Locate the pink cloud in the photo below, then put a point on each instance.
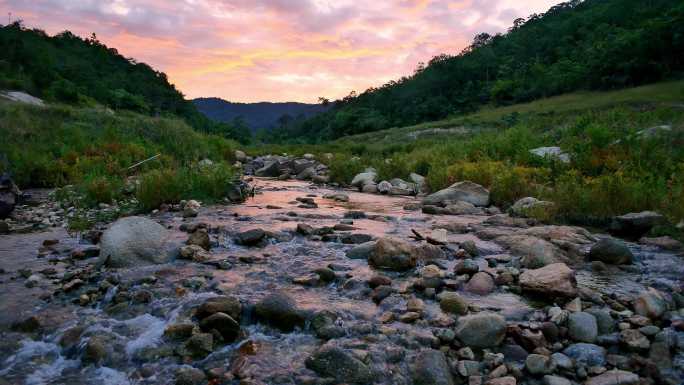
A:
(278, 50)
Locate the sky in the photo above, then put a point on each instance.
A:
(277, 50)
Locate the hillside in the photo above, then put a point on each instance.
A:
(66, 68)
(257, 116)
(578, 45)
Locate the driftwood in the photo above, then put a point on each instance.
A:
(141, 162)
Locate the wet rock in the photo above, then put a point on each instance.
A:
(530, 207)
(459, 208)
(364, 178)
(193, 252)
(270, 169)
(198, 345)
(650, 303)
(222, 304)
(633, 340)
(665, 243)
(355, 239)
(179, 331)
(190, 208)
(251, 237)
(392, 254)
(335, 362)
(188, 375)
(379, 280)
(430, 367)
(614, 377)
(453, 303)
(586, 354)
(562, 361)
(325, 327)
(482, 330)
(380, 293)
(462, 191)
(339, 197)
(134, 241)
(27, 325)
(223, 323)
(611, 251)
(535, 252)
(200, 238)
(556, 279)
(636, 224)
(582, 327)
(481, 283)
(507, 380)
(466, 266)
(556, 380)
(538, 364)
(280, 311)
(325, 274)
(95, 350)
(362, 251)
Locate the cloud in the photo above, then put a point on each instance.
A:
(252, 50)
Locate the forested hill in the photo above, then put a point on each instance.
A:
(257, 116)
(66, 68)
(592, 44)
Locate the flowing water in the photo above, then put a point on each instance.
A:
(137, 353)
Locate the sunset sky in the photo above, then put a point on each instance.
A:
(277, 50)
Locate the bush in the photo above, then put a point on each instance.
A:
(101, 189)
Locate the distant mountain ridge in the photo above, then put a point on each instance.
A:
(255, 115)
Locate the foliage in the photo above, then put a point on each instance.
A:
(576, 45)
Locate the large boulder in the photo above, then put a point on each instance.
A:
(224, 324)
(333, 361)
(482, 330)
(430, 367)
(582, 327)
(134, 241)
(364, 178)
(586, 354)
(9, 196)
(393, 254)
(535, 252)
(636, 224)
(556, 280)
(611, 251)
(481, 283)
(650, 303)
(530, 207)
(465, 191)
(280, 311)
(221, 304)
(270, 169)
(552, 153)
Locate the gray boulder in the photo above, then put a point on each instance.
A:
(462, 191)
(135, 241)
(364, 178)
(556, 280)
(430, 367)
(393, 254)
(586, 354)
(582, 327)
(333, 361)
(614, 377)
(535, 252)
(270, 169)
(529, 206)
(280, 311)
(636, 224)
(482, 330)
(551, 152)
(384, 187)
(611, 251)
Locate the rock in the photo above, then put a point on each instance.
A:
(419, 181)
(530, 208)
(370, 188)
(466, 266)
(614, 377)
(586, 354)
(552, 153)
(381, 292)
(179, 331)
(355, 239)
(364, 178)
(194, 253)
(482, 330)
(271, 169)
(191, 209)
(604, 320)
(200, 238)
(222, 304)
(188, 375)
(27, 325)
(507, 380)
(555, 280)
(455, 208)
(198, 345)
(430, 367)
(481, 283)
(451, 302)
(636, 224)
(223, 323)
(650, 303)
(611, 251)
(582, 327)
(379, 280)
(240, 156)
(325, 274)
(324, 326)
(362, 251)
(438, 237)
(556, 380)
(280, 311)
(339, 197)
(384, 187)
(251, 237)
(535, 252)
(538, 364)
(666, 243)
(133, 242)
(392, 254)
(462, 191)
(562, 361)
(95, 350)
(634, 340)
(320, 179)
(333, 361)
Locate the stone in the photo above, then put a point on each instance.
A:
(530, 207)
(179, 331)
(634, 340)
(650, 303)
(95, 350)
(604, 320)
(556, 380)
(582, 327)
(251, 237)
(223, 323)
(134, 241)
(188, 375)
(586, 354)
(507, 380)
(482, 330)
(364, 178)
(280, 311)
(384, 187)
(198, 345)
(466, 266)
(665, 243)
(453, 303)
(538, 364)
(562, 361)
(200, 238)
(362, 251)
(222, 304)
(611, 251)
(333, 361)
(271, 169)
(430, 367)
(462, 191)
(552, 152)
(535, 252)
(636, 224)
(27, 325)
(392, 254)
(614, 377)
(481, 283)
(324, 325)
(556, 280)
